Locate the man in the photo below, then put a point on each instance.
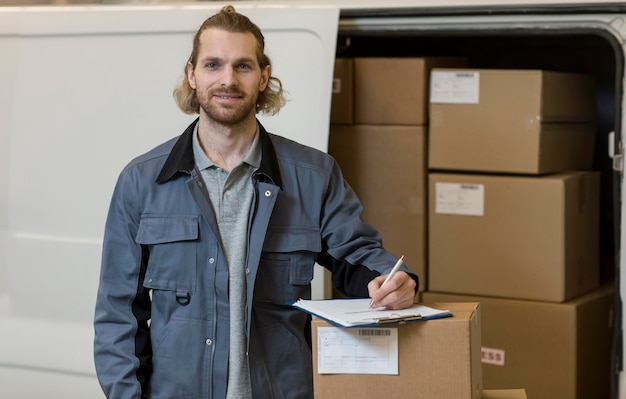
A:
(210, 235)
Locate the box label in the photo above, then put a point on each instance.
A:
(454, 87)
(492, 356)
(460, 199)
(336, 85)
(357, 350)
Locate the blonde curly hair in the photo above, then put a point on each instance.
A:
(270, 100)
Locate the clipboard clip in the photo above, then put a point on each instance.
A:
(398, 319)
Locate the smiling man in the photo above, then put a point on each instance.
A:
(210, 235)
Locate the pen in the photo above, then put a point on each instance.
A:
(393, 271)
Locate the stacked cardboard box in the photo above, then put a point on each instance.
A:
(511, 121)
(378, 132)
(553, 350)
(527, 237)
(394, 203)
(342, 101)
(514, 224)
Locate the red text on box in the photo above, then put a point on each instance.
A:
(492, 356)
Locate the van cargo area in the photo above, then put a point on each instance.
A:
(506, 39)
(554, 47)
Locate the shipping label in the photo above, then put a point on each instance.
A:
(460, 199)
(357, 350)
(459, 87)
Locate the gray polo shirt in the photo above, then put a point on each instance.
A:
(231, 197)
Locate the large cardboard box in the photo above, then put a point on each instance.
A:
(395, 90)
(526, 237)
(553, 350)
(386, 167)
(342, 99)
(437, 359)
(504, 394)
(511, 121)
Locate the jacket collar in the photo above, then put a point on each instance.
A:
(181, 160)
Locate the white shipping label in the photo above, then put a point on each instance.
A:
(460, 199)
(357, 350)
(336, 86)
(492, 356)
(454, 87)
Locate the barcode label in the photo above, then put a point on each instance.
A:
(374, 332)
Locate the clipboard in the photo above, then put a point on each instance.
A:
(357, 313)
(402, 319)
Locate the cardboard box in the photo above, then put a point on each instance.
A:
(386, 167)
(511, 121)
(342, 99)
(504, 394)
(439, 359)
(553, 350)
(395, 90)
(514, 236)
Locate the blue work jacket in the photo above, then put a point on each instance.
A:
(162, 312)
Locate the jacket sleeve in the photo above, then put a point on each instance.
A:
(122, 351)
(353, 250)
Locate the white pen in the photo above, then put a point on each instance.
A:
(393, 271)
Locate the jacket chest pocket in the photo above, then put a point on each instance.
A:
(286, 266)
(171, 241)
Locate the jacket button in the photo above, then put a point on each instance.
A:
(247, 270)
(211, 260)
(268, 193)
(208, 341)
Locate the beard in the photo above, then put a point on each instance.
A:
(227, 114)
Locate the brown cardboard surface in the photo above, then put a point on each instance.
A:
(537, 238)
(526, 121)
(552, 350)
(386, 167)
(395, 90)
(504, 394)
(440, 359)
(342, 99)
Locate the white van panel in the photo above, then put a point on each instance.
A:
(83, 90)
(16, 383)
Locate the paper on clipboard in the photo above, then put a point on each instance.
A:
(356, 312)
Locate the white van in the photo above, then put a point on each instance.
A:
(83, 89)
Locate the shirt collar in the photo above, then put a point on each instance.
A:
(262, 155)
(252, 158)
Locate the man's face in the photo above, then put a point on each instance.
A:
(227, 77)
